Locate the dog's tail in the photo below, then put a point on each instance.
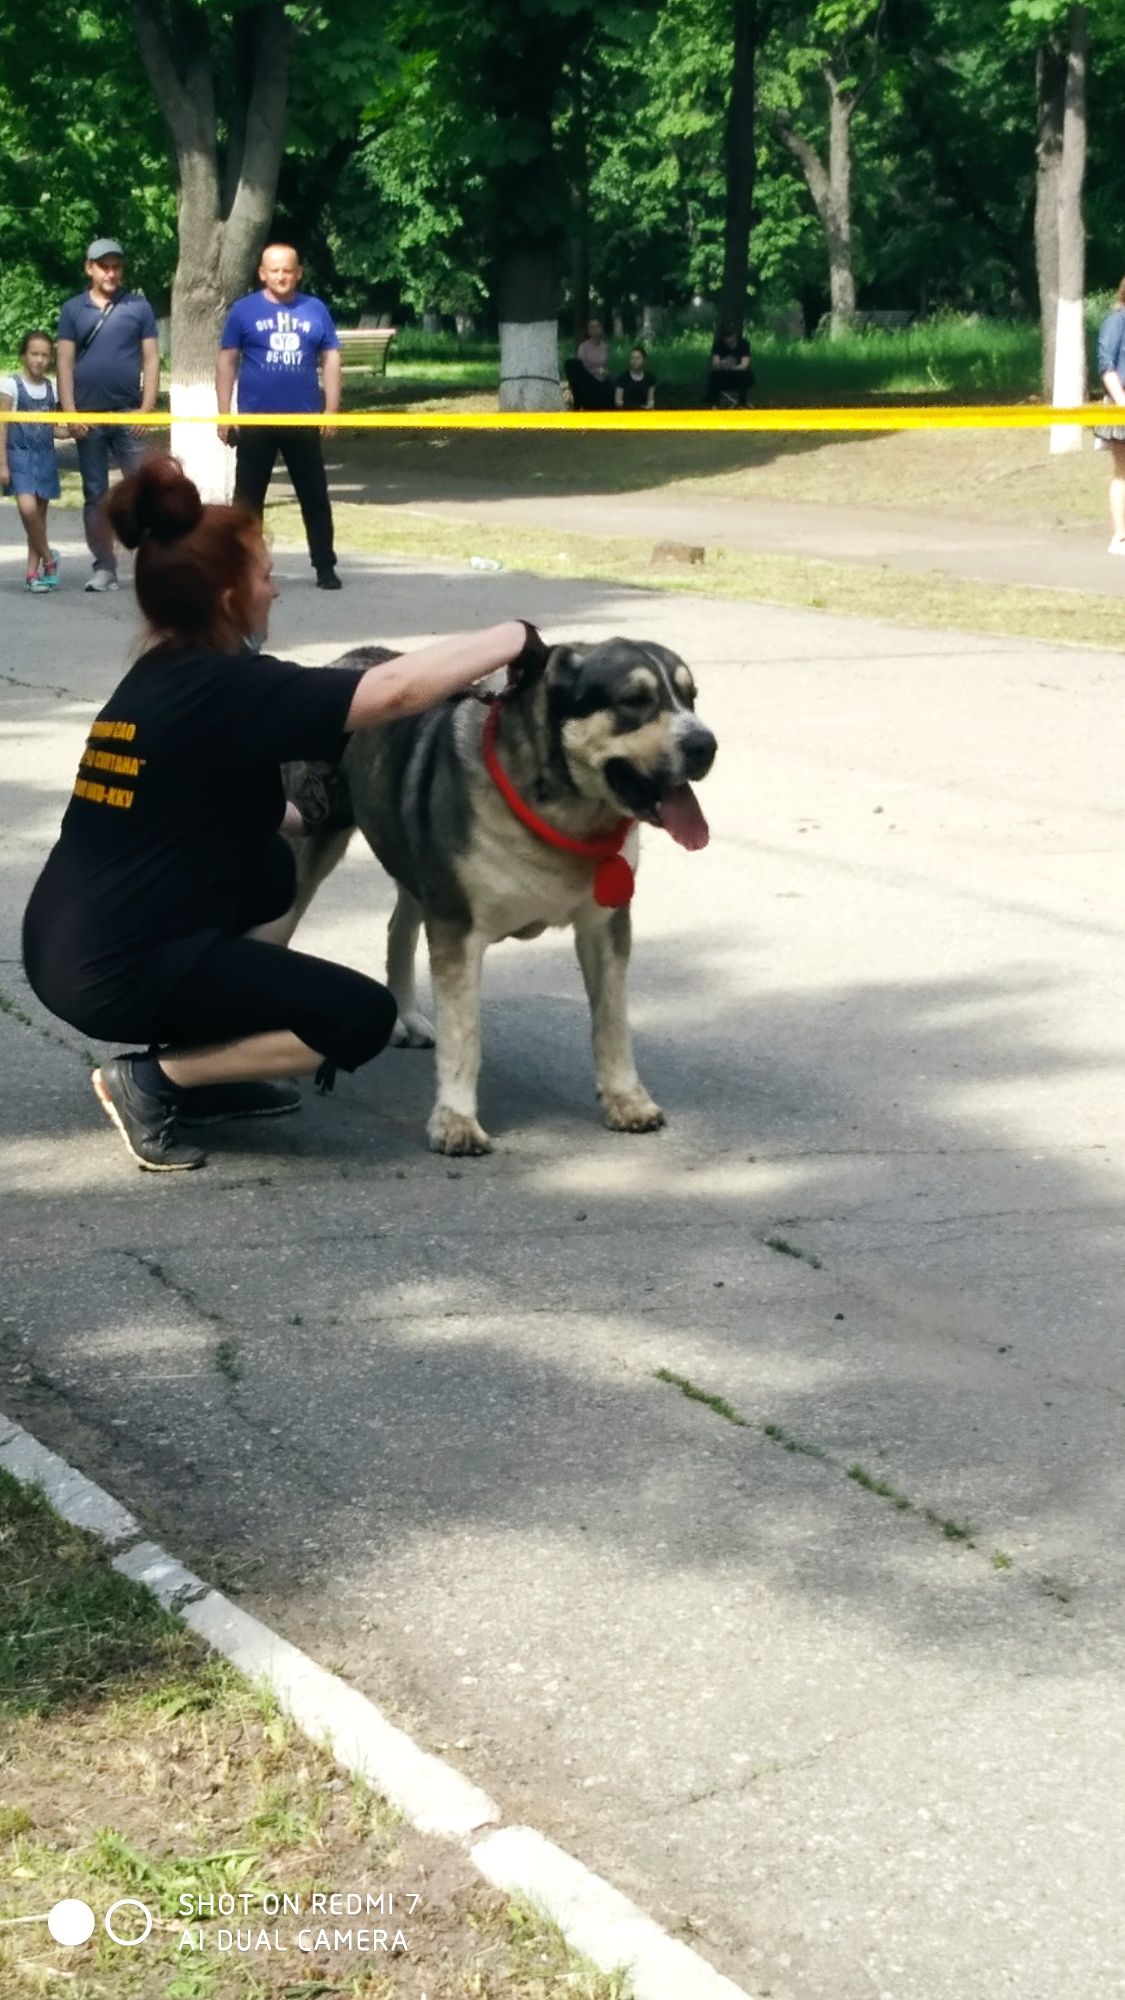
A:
(318, 788)
(322, 796)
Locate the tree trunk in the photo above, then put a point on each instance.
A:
(1050, 85)
(1070, 339)
(838, 220)
(224, 207)
(579, 213)
(831, 190)
(740, 160)
(527, 300)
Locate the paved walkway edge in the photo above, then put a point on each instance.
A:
(594, 1918)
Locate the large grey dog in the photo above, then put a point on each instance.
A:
(588, 736)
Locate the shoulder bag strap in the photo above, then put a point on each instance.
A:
(85, 344)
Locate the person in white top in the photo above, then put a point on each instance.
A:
(591, 384)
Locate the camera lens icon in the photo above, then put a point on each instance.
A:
(72, 1922)
(129, 1933)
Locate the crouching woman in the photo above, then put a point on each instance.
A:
(160, 913)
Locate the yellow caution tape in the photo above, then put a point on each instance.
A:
(891, 417)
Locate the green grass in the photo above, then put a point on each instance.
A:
(228, 1360)
(717, 1403)
(947, 357)
(135, 1763)
(880, 1489)
(69, 1625)
(787, 1249)
(858, 590)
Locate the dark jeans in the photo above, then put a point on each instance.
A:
(102, 443)
(587, 393)
(728, 388)
(304, 462)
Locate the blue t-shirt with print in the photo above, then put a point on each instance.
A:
(107, 369)
(280, 346)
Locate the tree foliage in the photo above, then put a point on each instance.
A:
(425, 141)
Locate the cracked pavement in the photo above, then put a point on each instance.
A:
(410, 1408)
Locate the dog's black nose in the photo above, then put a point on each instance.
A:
(697, 748)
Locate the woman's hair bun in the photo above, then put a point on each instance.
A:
(158, 500)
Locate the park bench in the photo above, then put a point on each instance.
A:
(365, 347)
(885, 322)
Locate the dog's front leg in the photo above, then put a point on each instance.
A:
(455, 968)
(411, 1030)
(603, 939)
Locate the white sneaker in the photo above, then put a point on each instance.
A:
(1117, 546)
(102, 579)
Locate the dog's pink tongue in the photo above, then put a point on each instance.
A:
(681, 817)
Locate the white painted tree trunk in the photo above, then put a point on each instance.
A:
(1070, 336)
(204, 458)
(1070, 371)
(529, 365)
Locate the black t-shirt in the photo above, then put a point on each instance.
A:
(634, 391)
(723, 352)
(174, 816)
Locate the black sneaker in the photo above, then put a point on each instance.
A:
(210, 1103)
(327, 579)
(146, 1123)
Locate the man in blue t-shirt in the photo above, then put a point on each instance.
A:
(108, 359)
(272, 342)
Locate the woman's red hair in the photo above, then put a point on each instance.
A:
(190, 557)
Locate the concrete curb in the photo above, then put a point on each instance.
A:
(593, 1917)
(597, 1919)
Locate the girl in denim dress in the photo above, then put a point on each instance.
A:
(28, 467)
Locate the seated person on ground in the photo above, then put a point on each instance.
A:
(636, 389)
(730, 377)
(591, 385)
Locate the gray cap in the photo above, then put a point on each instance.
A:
(103, 246)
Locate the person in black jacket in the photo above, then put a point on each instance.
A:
(730, 376)
(161, 913)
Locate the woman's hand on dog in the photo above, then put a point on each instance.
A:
(415, 681)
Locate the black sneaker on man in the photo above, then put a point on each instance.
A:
(327, 579)
(147, 1123)
(211, 1103)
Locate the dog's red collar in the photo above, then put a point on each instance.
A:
(614, 880)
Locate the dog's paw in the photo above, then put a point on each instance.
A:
(631, 1110)
(456, 1133)
(412, 1031)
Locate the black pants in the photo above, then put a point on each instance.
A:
(243, 986)
(304, 462)
(587, 393)
(233, 987)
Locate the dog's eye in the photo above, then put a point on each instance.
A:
(686, 690)
(637, 702)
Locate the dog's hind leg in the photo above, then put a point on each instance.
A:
(455, 968)
(603, 939)
(411, 1030)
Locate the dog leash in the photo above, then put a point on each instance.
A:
(614, 879)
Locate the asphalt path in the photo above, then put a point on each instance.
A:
(849, 1742)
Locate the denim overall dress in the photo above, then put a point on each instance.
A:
(31, 447)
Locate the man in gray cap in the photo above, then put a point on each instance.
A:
(108, 356)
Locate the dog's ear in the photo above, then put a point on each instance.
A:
(564, 664)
